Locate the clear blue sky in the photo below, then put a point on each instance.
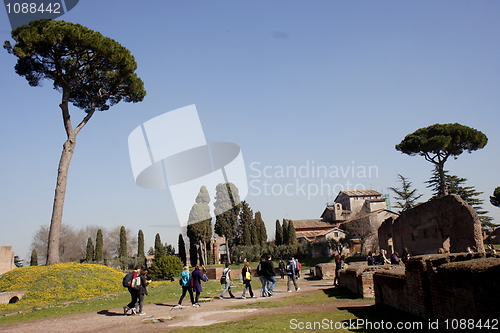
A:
(293, 83)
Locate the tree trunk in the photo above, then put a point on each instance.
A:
(443, 188)
(62, 175)
(60, 193)
(228, 250)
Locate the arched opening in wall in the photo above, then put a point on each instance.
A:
(13, 300)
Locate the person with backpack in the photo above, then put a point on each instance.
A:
(130, 281)
(187, 286)
(291, 271)
(226, 273)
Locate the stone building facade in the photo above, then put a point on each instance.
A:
(360, 213)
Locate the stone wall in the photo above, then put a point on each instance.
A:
(444, 287)
(325, 271)
(358, 277)
(448, 222)
(6, 259)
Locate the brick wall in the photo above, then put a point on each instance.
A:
(358, 278)
(444, 287)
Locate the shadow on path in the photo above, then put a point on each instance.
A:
(110, 313)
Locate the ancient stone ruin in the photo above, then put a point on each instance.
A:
(444, 287)
(447, 224)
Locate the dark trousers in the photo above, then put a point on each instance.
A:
(184, 290)
(141, 301)
(197, 297)
(248, 287)
(134, 294)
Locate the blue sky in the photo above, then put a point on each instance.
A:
(320, 83)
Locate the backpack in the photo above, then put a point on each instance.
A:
(127, 280)
(290, 268)
(136, 283)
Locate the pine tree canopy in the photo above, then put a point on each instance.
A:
(439, 141)
(98, 71)
(495, 199)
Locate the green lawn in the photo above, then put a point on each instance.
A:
(350, 318)
(164, 292)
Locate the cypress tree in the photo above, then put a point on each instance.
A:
(158, 247)
(99, 247)
(193, 253)
(34, 258)
(278, 234)
(253, 233)
(286, 238)
(140, 245)
(122, 253)
(292, 236)
(90, 251)
(261, 229)
(245, 223)
(199, 228)
(182, 249)
(226, 208)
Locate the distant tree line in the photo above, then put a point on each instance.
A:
(121, 249)
(244, 232)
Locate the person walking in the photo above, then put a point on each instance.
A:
(291, 273)
(270, 274)
(338, 267)
(281, 267)
(197, 277)
(227, 273)
(299, 268)
(185, 282)
(134, 292)
(143, 290)
(261, 272)
(246, 276)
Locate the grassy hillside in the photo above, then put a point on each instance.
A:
(54, 284)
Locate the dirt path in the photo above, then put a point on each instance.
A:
(164, 317)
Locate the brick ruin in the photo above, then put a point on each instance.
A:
(447, 223)
(358, 277)
(449, 286)
(444, 287)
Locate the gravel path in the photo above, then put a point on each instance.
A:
(163, 317)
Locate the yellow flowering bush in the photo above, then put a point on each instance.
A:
(62, 282)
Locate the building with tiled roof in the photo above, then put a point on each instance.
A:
(318, 233)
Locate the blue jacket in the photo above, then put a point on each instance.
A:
(292, 268)
(185, 279)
